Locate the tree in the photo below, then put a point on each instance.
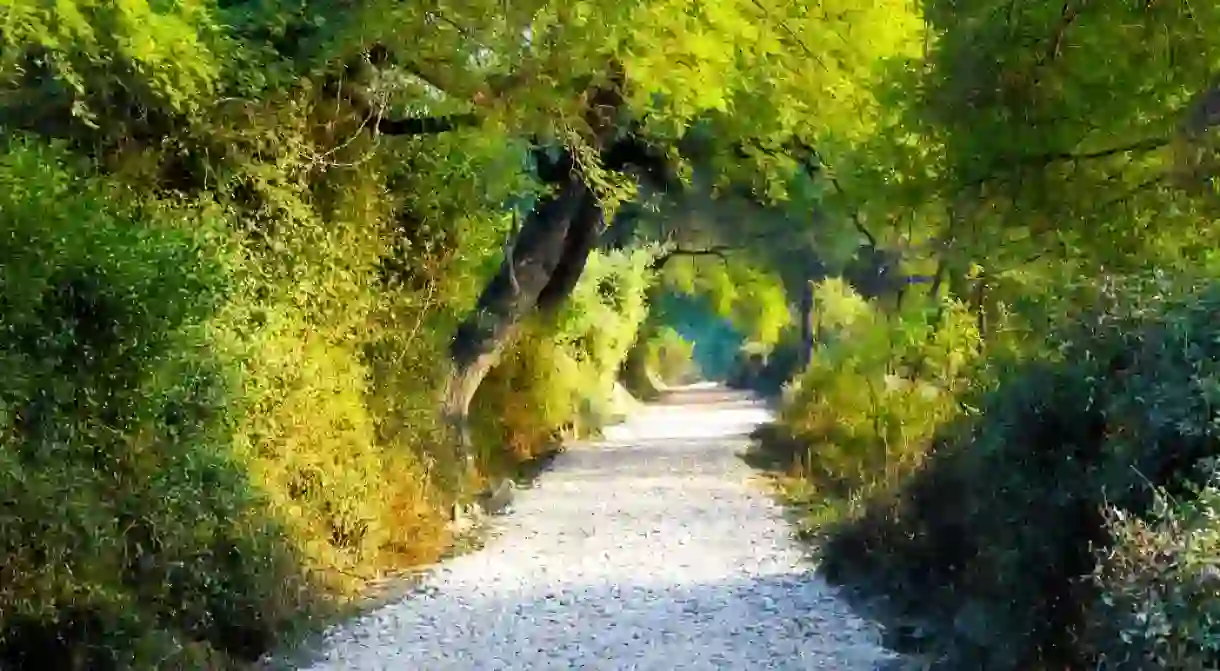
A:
(614, 89)
(609, 94)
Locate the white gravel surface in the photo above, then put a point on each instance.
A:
(648, 550)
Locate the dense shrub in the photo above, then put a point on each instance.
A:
(636, 377)
(671, 356)
(998, 534)
(250, 409)
(1157, 605)
(130, 534)
(861, 416)
(768, 373)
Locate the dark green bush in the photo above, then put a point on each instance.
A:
(129, 536)
(998, 535)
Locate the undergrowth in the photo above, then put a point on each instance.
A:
(1052, 512)
(220, 420)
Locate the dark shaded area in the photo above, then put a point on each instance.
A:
(992, 544)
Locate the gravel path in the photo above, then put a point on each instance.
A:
(648, 550)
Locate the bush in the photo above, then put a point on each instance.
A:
(129, 533)
(671, 357)
(860, 418)
(998, 533)
(558, 378)
(1157, 605)
(247, 423)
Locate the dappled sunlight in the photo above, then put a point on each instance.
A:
(295, 294)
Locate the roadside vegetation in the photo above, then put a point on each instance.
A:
(1010, 450)
(284, 280)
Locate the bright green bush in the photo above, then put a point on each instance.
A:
(129, 534)
(860, 418)
(281, 373)
(671, 356)
(996, 537)
(307, 323)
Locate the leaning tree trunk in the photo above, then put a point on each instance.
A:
(546, 260)
(539, 271)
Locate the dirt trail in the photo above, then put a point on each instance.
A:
(647, 550)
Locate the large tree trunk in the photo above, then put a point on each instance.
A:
(545, 261)
(540, 271)
(582, 237)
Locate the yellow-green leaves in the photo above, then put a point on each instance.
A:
(763, 68)
(770, 69)
(93, 46)
(750, 297)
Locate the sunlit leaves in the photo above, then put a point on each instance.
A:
(91, 46)
(750, 297)
(1066, 113)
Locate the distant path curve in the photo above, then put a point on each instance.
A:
(648, 550)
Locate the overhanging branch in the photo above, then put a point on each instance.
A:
(427, 125)
(1050, 158)
(814, 164)
(1147, 144)
(719, 251)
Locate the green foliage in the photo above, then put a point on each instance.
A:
(1124, 409)
(132, 535)
(751, 298)
(329, 350)
(1157, 603)
(103, 52)
(559, 377)
(860, 418)
(276, 330)
(1005, 166)
(713, 338)
(671, 356)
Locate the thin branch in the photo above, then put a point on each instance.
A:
(813, 164)
(1122, 198)
(1147, 144)
(855, 215)
(811, 167)
(1049, 158)
(719, 251)
(1067, 17)
(427, 125)
(792, 34)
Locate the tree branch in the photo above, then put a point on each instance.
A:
(1147, 144)
(814, 164)
(1067, 17)
(718, 251)
(427, 125)
(1044, 160)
